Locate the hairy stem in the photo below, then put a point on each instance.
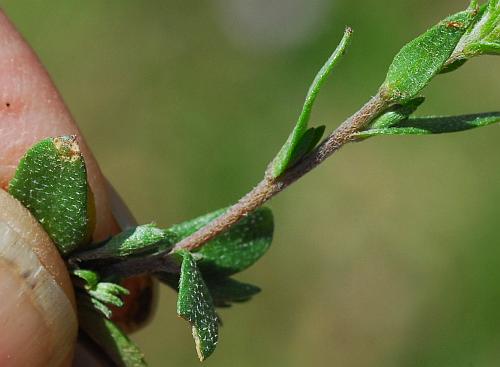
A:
(270, 186)
(260, 194)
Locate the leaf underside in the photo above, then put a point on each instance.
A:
(195, 305)
(225, 291)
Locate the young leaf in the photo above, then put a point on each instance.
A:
(195, 305)
(424, 57)
(236, 249)
(481, 39)
(308, 142)
(225, 291)
(140, 240)
(90, 277)
(109, 293)
(397, 114)
(435, 125)
(51, 181)
(120, 349)
(289, 152)
(99, 294)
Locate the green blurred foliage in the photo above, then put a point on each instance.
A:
(388, 254)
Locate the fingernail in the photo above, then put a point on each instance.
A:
(37, 319)
(121, 212)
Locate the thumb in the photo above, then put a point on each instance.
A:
(37, 318)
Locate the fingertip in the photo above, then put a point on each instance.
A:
(31, 109)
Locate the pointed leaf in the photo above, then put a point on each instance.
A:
(236, 249)
(435, 125)
(51, 181)
(288, 153)
(120, 349)
(195, 305)
(424, 57)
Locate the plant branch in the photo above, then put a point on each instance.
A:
(265, 190)
(270, 186)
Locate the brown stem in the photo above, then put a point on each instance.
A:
(270, 186)
(264, 191)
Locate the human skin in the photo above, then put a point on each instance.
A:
(31, 109)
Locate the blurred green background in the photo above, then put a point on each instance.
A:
(387, 255)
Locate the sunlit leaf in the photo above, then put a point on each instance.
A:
(140, 240)
(289, 152)
(51, 181)
(435, 125)
(424, 57)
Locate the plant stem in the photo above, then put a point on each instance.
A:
(270, 186)
(260, 194)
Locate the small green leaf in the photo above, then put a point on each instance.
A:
(424, 57)
(397, 113)
(435, 125)
(120, 349)
(481, 39)
(307, 143)
(236, 249)
(90, 277)
(109, 293)
(225, 291)
(289, 153)
(51, 181)
(140, 240)
(99, 294)
(195, 305)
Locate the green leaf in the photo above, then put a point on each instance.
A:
(424, 57)
(225, 291)
(289, 153)
(195, 305)
(99, 294)
(435, 125)
(51, 181)
(483, 38)
(236, 249)
(109, 293)
(397, 114)
(90, 277)
(140, 240)
(308, 142)
(120, 349)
